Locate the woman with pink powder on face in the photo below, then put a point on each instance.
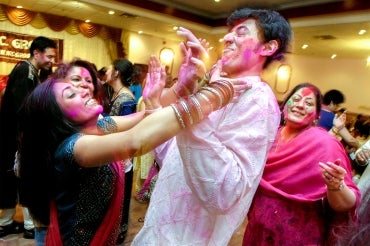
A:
(71, 157)
(306, 180)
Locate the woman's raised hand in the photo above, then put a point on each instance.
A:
(191, 70)
(199, 47)
(339, 120)
(154, 84)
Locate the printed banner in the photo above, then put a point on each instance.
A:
(15, 47)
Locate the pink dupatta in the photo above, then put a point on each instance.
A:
(292, 169)
(109, 228)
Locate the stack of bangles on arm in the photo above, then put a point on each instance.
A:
(192, 109)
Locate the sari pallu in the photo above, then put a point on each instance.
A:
(291, 186)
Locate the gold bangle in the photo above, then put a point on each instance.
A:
(228, 86)
(215, 92)
(205, 98)
(198, 107)
(187, 111)
(178, 115)
(340, 187)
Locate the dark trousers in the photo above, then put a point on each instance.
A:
(126, 202)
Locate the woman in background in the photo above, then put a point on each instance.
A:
(306, 191)
(122, 102)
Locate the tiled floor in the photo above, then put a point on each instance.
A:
(137, 213)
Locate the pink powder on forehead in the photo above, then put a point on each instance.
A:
(306, 91)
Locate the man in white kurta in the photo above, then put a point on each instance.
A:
(210, 172)
(203, 199)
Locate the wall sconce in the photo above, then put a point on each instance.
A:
(282, 78)
(166, 57)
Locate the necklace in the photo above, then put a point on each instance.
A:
(284, 138)
(116, 94)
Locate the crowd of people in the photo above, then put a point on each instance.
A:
(225, 149)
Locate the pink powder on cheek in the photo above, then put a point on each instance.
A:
(100, 110)
(285, 110)
(72, 113)
(311, 115)
(247, 55)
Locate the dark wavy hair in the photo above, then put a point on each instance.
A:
(99, 92)
(45, 128)
(64, 68)
(126, 70)
(272, 26)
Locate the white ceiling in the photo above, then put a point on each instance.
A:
(326, 34)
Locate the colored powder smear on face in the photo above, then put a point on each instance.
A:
(306, 91)
(72, 113)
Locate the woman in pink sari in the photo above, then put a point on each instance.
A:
(306, 193)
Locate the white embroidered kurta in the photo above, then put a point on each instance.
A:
(203, 196)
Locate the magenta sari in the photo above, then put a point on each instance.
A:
(289, 205)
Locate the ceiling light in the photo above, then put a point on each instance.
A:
(111, 12)
(221, 40)
(362, 32)
(19, 7)
(282, 78)
(166, 56)
(87, 21)
(304, 46)
(175, 28)
(140, 32)
(217, 1)
(333, 56)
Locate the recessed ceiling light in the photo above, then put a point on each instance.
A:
(111, 12)
(87, 21)
(362, 32)
(19, 7)
(217, 1)
(140, 32)
(221, 40)
(304, 46)
(333, 56)
(175, 28)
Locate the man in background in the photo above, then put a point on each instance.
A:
(22, 80)
(331, 102)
